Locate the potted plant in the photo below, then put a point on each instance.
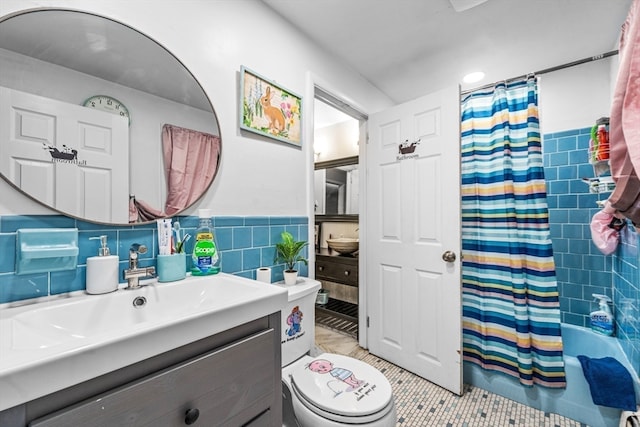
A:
(288, 252)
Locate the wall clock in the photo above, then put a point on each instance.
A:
(108, 104)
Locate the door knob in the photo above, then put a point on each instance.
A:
(449, 256)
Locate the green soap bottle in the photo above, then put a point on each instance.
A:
(206, 257)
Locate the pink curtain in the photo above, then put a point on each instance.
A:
(190, 161)
(625, 123)
(140, 211)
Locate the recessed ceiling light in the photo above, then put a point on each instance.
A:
(476, 76)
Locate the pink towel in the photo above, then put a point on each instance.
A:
(624, 123)
(605, 238)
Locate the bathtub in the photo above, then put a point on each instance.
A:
(573, 402)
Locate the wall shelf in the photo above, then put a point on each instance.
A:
(600, 185)
(40, 250)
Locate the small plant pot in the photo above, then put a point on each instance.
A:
(290, 277)
(322, 298)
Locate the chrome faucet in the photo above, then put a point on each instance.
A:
(133, 274)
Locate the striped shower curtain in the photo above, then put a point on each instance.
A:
(511, 316)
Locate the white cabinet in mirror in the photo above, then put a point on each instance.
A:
(86, 163)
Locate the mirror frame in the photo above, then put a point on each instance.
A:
(11, 15)
(353, 160)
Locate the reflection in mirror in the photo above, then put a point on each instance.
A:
(122, 160)
(336, 187)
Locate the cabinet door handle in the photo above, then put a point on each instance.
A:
(346, 272)
(320, 268)
(191, 416)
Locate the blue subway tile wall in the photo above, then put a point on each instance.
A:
(581, 268)
(245, 243)
(626, 295)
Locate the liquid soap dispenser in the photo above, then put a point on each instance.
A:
(602, 320)
(102, 270)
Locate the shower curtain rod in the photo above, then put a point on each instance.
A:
(546, 70)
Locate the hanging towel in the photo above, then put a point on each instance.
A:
(610, 382)
(624, 136)
(604, 237)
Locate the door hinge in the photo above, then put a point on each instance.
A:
(367, 321)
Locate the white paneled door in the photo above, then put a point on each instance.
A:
(72, 158)
(413, 237)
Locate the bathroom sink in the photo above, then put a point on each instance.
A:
(84, 318)
(344, 245)
(70, 339)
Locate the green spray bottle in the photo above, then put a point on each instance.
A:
(206, 257)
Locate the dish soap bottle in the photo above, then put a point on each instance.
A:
(102, 270)
(602, 319)
(206, 258)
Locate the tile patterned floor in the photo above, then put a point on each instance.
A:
(420, 403)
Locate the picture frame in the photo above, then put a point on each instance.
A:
(268, 109)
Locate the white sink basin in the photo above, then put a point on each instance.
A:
(50, 345)
(344, 245)
(47, 325)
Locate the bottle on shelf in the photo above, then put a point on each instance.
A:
(603, 143)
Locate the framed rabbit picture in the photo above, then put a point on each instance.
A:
(268, 109)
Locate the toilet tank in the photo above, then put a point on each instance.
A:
(298, 319)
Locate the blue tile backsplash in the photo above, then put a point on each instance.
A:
(581, 269)
(626, 279)
(246, 243)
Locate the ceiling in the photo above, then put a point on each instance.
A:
(408, 48)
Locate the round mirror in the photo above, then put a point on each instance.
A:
(99, 121)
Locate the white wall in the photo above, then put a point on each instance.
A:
(337, 141)
(576, 97)
(319, 178)
(213, 39)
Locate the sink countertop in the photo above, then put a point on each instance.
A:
(331, 252)
(47, 346)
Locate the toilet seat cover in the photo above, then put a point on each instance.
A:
(342, 385)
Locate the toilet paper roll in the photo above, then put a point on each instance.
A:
(263, 274)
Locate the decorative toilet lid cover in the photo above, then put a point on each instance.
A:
(342, 385)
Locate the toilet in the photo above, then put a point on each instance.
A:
(328, 389)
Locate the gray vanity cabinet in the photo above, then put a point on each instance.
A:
(236, 383)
